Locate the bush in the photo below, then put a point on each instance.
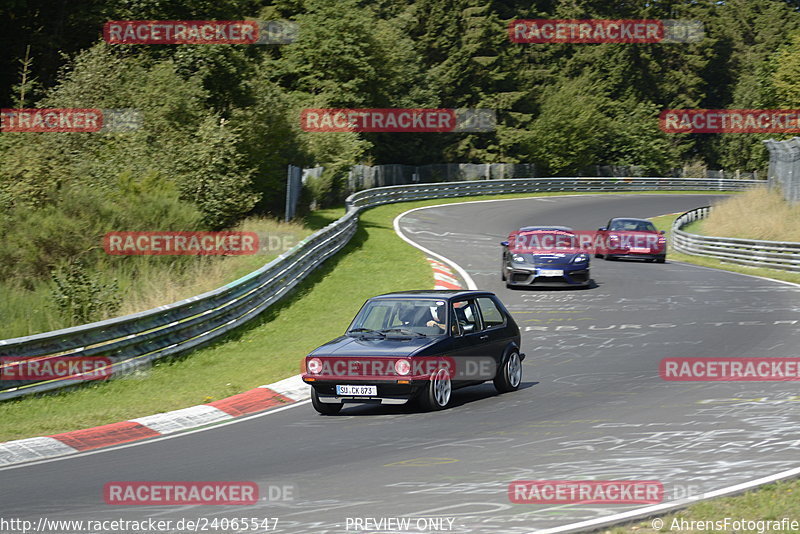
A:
(72, 225)
(82, 296)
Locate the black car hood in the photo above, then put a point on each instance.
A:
(374, 346)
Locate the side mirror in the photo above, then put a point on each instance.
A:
(663, 232)
(504, 243)
(602, 229)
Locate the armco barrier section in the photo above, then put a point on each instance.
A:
(756, 253)
(134, 341)
(401, 193)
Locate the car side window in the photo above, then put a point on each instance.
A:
(492, 316)
(466, 317)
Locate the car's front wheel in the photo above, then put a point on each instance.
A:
(661, 259)
(436, 395)
(509, 376)
(325, 408)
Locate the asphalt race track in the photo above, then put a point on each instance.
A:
(592, 405)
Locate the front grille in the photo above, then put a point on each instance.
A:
(519, 277)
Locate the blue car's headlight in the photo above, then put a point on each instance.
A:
(580, 258)
(518, 259)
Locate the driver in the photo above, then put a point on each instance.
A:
(438, 314)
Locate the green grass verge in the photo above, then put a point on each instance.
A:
(270, 348)
(772, 502)
(664, 222)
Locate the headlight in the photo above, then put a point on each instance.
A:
(314, 366)
(403, 367)
(580, 258)
(518, 259)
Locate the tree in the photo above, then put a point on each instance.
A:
(216, 177)
(569, 132)
(786, 75)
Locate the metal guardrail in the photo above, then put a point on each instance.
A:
(134, 341)
(401, 193)
(756, 253)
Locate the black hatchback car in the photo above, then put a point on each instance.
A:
(417, 345)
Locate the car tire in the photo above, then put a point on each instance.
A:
(503, 273)
(509, 376)
(661, 259)
(608, 257)
(598, 255)
(325, 408)
(437, 394)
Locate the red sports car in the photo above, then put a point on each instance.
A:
(625, 237)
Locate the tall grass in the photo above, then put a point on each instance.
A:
(145, 282)
(150, 288)
(756, 214)
(664, 222)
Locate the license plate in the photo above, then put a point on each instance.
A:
(357, 390)
(550, 272)
(644, 250)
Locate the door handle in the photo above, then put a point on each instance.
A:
(484, 337)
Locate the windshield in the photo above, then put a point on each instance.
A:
(389, 317)
(539, 241)
(632, 225)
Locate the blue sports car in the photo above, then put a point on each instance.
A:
(544, 256)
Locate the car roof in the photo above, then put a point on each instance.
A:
(448, 294)
(532, 228)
